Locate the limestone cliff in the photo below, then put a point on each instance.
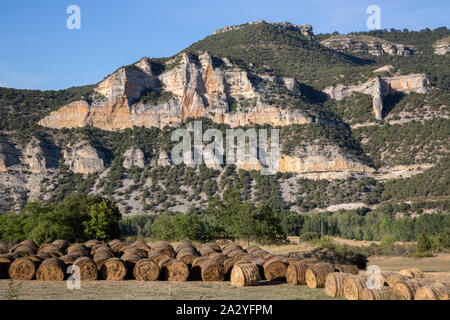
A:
(134, 157)
(380, 87)
(199, 86)
(442, 46)
(360, 44)
(83, 159)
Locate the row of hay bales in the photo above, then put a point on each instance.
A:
(408, 284)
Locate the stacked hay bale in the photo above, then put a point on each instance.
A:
(51, 269)
(275, 269)
(113, 269)
(412, 273)
(244, 275)
(383, 293)
(316, 274)
(146, 270)
(23, 269)
(88, 268)
(334, 283)
(296, 271)
(172, 269)
(434, 291)
(206, 269)
(187, 253)
(407, 289)
(354, 286)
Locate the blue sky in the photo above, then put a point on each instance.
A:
(38, 51)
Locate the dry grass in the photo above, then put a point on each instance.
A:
(162, 290)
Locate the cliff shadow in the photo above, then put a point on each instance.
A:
(390, 101)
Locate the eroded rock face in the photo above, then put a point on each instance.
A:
(9, 156)
(133, 157)
(359, 44)
(201, 86)
(314, 158)
(164, 159)
(380, 87)
(34, 157)
(83, 159)
(442, 46)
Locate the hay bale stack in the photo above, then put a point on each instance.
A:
(112, 243)
(51, 269)
(44, 256)
(26, 243)
(132, 258)
(146, 270)
(393, 279)
(252, 249)
(173, 270)
(354, 286)
(238, 253)
(260, 253)
(113, 269)
(186, 246)
(434, 291)
(24, 250)
(228, 266)
(334, 283)
(77, 247)
(158, 255)
(101, 248)
(275, 269)
(384, 275)
(346, 268)
(412, 273)
(315, 275)
(205, 251)
(88, 268)
(244, 275)
(130, 250)
(406, 289)
(187, 256)
(208, 270)
(212, 245)
(116, 247)
(384, 293)
(62, 244)
(23, 269)
(36, 258)
(141, 245)
(101, 256)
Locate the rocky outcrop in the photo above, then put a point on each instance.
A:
(314, 158)
(133, 158)
(200, 85)
(442, 46)
(380, 87)
(34, 157)
(9, 156)
(164, 159)
(305, 29)
(362, 44)
(83, 159)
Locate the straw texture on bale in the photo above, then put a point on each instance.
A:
(113, 242)
(346, 268)
(244, 275)
(146, 270)
(435, 291)
(259, 253)
(238, 253)
(354, 286)
(231, 247)
(168, 251)
(208, 270)
(157, 256)
(252, 249)
(116, 247)
(62, 244)
(334, 284)
(113, 269)
(187, 257)
(406, 289)
(77, 247)
(205, 251)
(275, 269)
(36, 258)
(295, 273)
(141, 245)
(51, 269)
(173, 270)
(134, 250)
(393, 278)
(24, 250)
(384, 293)
(91, 243)
(100, 257)
(49, 247)
(315, 275)
(186, 247)
(212, 245)
(23, 269)
(218, 257)
(131, 257)
(228, 266)
(413, 273)
(88, 268)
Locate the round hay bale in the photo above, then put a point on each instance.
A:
(186, 246)
(406, 289)
(209, 270)
(101, 248)
(44, 255)
(354, 286)
(346, 268)
(244, 275)
(88, 268)
(384, 275)
(275, 269)
(133, 251)
(24, 250)
(394, 278)
(146, 270)
(36, 258)
(252, 249)
(232, 247)
(92, 243)
(228, 266)
(82, 252)
(62, 244)
(260, 253)
(247, 258)
(212, 245)
(168, 251)
(102, 256)
(205, 251)
(434, 291)
(157, 257)
(334, 284)
(412, 273)
(173, 270)
(49, 247)
(188, 259)
(141, 245)
(51, 269)
(23, 269)
(238, 253)
(315, 275)
(295, 273)
(218, 257)
(113, 269)
(69, 259)
(112, 243)
(133, 258)
(384, 293)
(118, 246)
